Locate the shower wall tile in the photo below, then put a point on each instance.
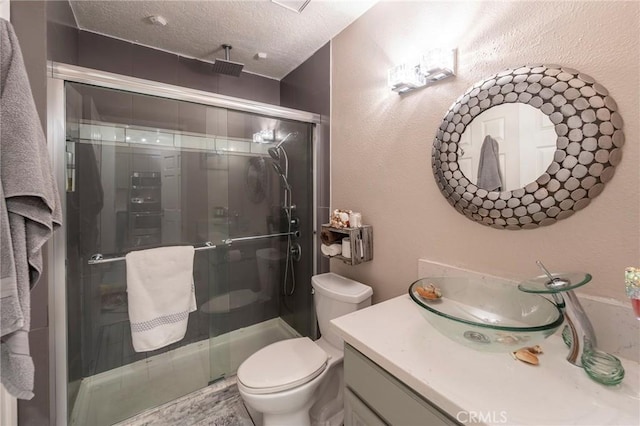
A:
(250, 86)
(62, 42)
(308, 86)
(192, 117)
(105, 53)
(153, 64)
(59, 11)
(150, 111)
(196, 75)
(106, 105)
(29, 23)
(62, 32)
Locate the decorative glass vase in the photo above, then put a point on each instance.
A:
(632, 285)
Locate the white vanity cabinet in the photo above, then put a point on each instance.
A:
(399, 370)
(374, 397)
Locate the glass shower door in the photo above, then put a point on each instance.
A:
(144, 172)
(136, 179)
(269, 217)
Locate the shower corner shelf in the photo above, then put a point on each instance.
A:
(361, 243)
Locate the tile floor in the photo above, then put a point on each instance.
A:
(219, 404)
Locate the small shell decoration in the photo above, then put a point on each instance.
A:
(528, 355)
(430, 292)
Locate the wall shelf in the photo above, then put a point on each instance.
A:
(361, 243)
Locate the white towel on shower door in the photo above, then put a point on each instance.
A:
(161, 295)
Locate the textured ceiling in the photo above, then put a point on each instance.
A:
(197, 29)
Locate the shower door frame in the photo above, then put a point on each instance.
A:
(57, 75)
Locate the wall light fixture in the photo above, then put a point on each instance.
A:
(264, 136)
(434, 65)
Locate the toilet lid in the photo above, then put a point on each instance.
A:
(282, 365)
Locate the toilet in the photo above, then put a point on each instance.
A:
(298, 382)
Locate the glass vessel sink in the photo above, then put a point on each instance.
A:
(487, 314)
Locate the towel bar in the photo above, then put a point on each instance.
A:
(98, 258)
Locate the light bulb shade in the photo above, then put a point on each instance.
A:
(264, 136)
(434, 65)
(437, 64)
(403, 78)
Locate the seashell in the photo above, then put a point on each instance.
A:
(508, 339)
(525, 356)
(430, 292)
(534, 349)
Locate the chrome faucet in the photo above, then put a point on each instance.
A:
(578, 334)
(561, 289)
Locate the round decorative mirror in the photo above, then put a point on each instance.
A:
(256, 180)
(527, 147)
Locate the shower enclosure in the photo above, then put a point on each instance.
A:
(143, 165)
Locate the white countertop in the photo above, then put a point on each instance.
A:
(492, 385)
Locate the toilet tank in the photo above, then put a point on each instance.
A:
(335, 296)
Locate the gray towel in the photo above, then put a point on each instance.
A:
(30, 206)
(489, 177)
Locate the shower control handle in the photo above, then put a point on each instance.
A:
(296, 252)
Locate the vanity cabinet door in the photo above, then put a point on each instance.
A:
(385, 397)
(356, 412)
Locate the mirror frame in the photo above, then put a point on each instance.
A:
(588, 147)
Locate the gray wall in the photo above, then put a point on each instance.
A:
(70, 45)
(29, 21)
(307, 88)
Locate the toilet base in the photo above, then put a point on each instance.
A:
(298, 418)
(337, 419)
(256, 416)
(324, 408)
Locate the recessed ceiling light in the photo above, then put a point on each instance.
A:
(294, 5)
(261, 55)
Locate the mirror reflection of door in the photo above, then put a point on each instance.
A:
(171, 197)
(538, 144)
(526, 139)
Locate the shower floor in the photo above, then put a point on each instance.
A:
(118, 394)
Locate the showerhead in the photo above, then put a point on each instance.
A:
(274, 153)
(280, 173)
(288, 135)
(226, 66)
(278, 169)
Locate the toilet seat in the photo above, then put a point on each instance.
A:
(282, 365)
